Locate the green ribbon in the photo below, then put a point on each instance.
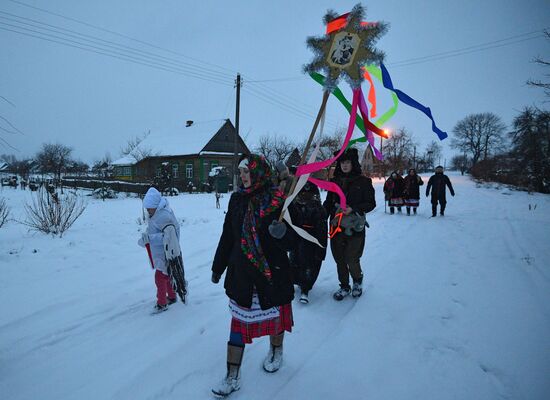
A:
(320, 79)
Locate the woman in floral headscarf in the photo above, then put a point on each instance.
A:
(253, 247)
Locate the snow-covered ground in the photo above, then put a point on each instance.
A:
(455, 308)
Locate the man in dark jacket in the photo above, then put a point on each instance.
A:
(437, 183)
(347, 246)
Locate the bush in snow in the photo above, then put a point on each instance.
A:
(4, 212)
(50, 213)
(104, 193)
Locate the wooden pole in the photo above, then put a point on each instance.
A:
(235, 147)
(326, 95)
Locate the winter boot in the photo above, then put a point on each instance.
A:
(434, 211)
(408, 211)
(232, 381)
(414, 210)
(274, 358)
(392, 210)
(304, 299)
(442, 211)
(159, 308)
(399, 210)
(170, 301)
(341, 293)
(357, 290)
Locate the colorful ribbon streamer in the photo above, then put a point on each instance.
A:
(316, 166)
(405, 98)
(360, 122)
(370, 137)
(340, 96)
(299, 185)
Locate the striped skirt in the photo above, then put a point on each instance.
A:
(252, 323)
(412, 202)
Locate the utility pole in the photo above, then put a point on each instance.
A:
(414, 158)
(235, 147)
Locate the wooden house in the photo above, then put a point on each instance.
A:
(191, 153)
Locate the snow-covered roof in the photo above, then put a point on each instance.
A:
(4, 166)
(126, 160)
(176, 142)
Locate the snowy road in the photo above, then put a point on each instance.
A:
(455, 308)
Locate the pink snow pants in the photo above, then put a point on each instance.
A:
(164, 288)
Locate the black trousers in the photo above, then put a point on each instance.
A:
(347, 252)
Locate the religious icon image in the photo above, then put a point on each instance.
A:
(343, 49)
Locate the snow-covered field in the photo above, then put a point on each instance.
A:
(455, 308)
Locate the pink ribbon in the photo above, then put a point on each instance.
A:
(316, 166)
(333, 187)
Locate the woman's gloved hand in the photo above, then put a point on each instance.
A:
(277, 229)
(215, 277)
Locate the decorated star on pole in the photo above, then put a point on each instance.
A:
(343, 52)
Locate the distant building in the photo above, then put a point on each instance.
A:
(192, 152)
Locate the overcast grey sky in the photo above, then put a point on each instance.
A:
(95, 103)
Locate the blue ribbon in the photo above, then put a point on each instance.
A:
(405, 98)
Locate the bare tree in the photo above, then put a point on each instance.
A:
(135, 149)
(328, 144)
(50, 213)
(22, 167)
(54, 158)
(274, 148)
(398, 150)
(531, 147)
(460, 162)
(544, 63)
(433, 152)
(479, 135)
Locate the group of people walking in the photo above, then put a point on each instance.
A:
(399, 191)
(263, 259)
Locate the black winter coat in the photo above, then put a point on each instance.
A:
(412, 187)
(312, 217)
(437, 183)
(242, 276)
(359, 195)
(393, 188)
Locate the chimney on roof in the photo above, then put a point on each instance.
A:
(188, 123)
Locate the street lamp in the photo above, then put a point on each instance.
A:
(387, 132)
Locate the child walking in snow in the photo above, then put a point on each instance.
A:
(161, 216)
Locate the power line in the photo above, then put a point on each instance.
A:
(120, 35)
(106, 52)
(109, 44)
(467, 50)
(103, 47)
(266, 98)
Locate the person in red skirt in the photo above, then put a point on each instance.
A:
(253, 252)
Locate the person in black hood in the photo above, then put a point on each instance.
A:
(437, 183)
(306, 257)
(347, 245)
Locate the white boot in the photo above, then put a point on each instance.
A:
(274, 358)
(229, 384)
(232, 381)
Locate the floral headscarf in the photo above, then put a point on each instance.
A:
(265, 199)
